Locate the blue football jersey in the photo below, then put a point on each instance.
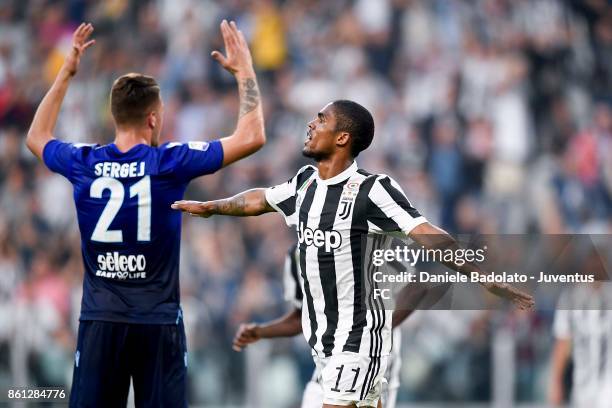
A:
(130, 237)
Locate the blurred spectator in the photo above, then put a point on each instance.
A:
(494, 115)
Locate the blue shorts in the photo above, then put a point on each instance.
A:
(108, 354)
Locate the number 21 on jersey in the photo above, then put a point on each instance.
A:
(140, 189)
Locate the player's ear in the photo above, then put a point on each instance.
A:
(152, 120)
(343, 138)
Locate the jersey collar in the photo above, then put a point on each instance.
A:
(352, 169)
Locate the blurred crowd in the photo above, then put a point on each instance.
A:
(495, 116)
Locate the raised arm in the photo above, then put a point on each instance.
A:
(287, 326)
(433, 237)
(249, 135)
(43, 124)
(248, 203)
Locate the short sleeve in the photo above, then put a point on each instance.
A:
(192, 159)
(389, 211)
(58, 157)
(283, 197)
(291, 279)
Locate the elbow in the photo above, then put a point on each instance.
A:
(256, 142)
(36, 141)
(259, 139)
(31, 141)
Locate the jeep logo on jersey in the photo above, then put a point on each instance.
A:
(114, 265)
(327, 239)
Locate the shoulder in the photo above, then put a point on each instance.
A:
(386, 181)
(306, 170)
(363, 179)
(197, 145)
(304, 174)
(75, 150)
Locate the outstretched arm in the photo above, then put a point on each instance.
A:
(249, 135)
(287, 326)
(43, 124)
(248, 203)
(430, 236)
(407, 301)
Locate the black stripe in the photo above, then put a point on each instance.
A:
(381, 306)
(303, 176)
(327, 267)
(377, 365)
(376, 332)
(287, 206)
(359, 229)
(399, 198)
(377, 217)
(304, 209)
(292, 254)
(366, 381)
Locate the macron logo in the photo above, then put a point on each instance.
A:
(320, 239)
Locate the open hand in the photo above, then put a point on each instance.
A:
(79, 44)
(238, 57)
(246, 334)
(521, 299)
(196, 208)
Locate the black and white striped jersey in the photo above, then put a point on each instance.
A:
(584, 316)
(331, 218)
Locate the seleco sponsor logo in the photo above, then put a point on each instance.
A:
(114, 265)
(320, 239)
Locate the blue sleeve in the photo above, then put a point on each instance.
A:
(193, 159)
(57, 156)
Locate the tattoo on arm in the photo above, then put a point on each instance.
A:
(248, 203)
(231, 206)
(249, 96)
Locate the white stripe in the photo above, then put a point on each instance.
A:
(312, 266)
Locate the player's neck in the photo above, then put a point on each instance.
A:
(127, 138)
(333, 166)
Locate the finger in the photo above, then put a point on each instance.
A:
(243, 40)
(233, 29)
(225, 34)
(79, 29)
(220, 58)
(88, 44)
(83, 30)
(181, 207)
(236, 345)
(230, 40)
(234, 32)
(88, 30)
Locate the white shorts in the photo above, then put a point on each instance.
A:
(349, 378)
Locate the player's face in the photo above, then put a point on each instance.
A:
(156, 122)
(321, 135)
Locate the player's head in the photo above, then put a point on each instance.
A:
(136, 103)
(341, 126)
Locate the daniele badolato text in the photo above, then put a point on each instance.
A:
(411, 256)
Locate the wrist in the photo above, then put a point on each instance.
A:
(65, 74)
(245, 73)
(258, 331)
(214, 208)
